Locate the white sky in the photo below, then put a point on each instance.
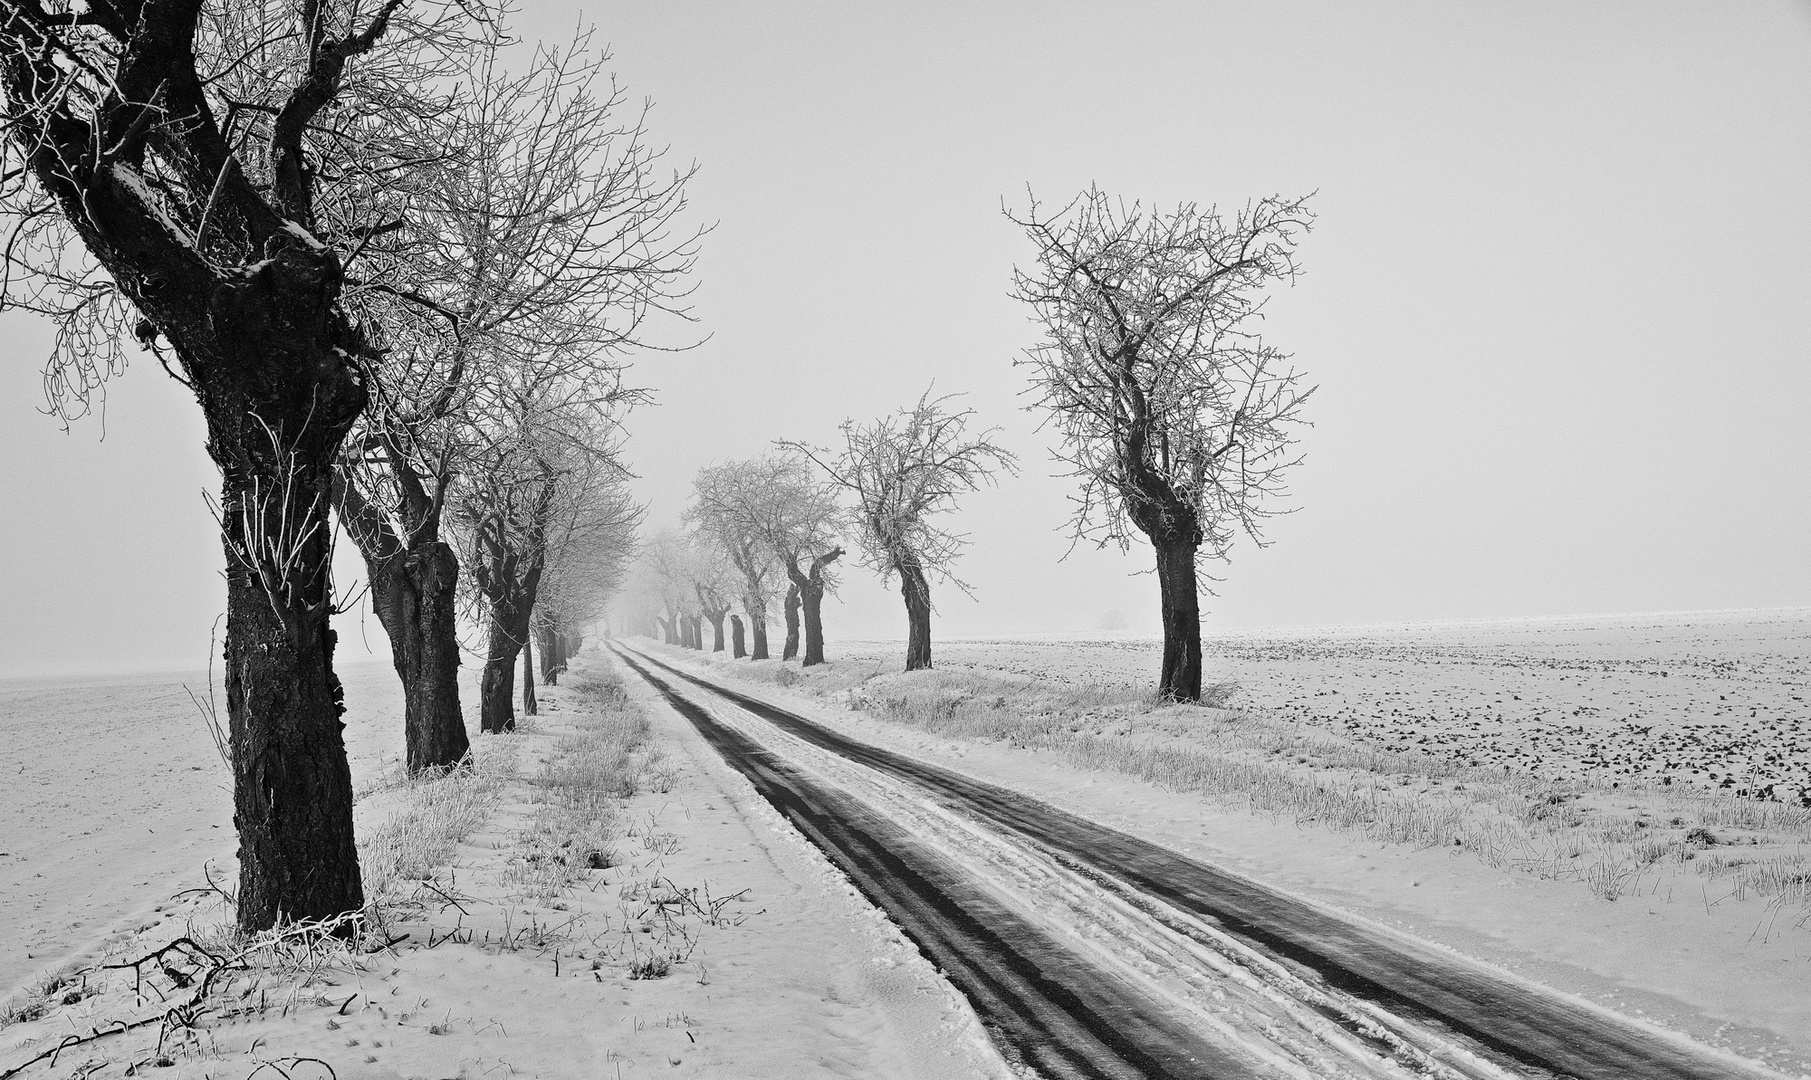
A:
(1556, 304)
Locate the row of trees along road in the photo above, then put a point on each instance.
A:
(387, 268)
(774, 519)
(1175, 417)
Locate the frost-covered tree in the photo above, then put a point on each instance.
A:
(1176, 418)
(549, 468)
(542, 236)
(205, 179)
(904, 472)
(729, 503)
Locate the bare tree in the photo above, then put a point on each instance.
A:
(904, 471)
(714, 584)
(549, 465)
(587, 560)
(773, 504)
(544, 239)
(664, 567)
(1174, 416)
(726, 508)
(204, 178)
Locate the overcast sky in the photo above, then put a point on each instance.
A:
(1556, 304)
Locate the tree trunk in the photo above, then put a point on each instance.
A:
(530, 707)
(413, 592)
(548, 651)
(292, 789)
(275, 417)
(917, 592)
(737, 646)
(415, 604)
(792, 623)
(497, 689)
(757, 624)
(810, 586)
(813, 598)
(1181, 676)
(666, 629)
(716, 630)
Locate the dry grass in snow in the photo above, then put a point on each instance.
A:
(163, 1001)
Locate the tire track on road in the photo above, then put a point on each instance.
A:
(1049, 1009)
(1511, 1023)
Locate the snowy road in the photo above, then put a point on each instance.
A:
(1096, 954)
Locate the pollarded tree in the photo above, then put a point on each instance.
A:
(772, 504)
(204, 177)
(549, 464)
(714, 583)
(587, 565)
(725, 509)
(1174, 415)
(663, 566)
(800, 526)
(904, 471)
(544, 238)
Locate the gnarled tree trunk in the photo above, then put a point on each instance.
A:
(757, 630)
(739, 650)
(1181, 676)
(413, 592)
(530, 707)
(810, 587)
(792, 605)
(292, 788)
(497, 685)
(917, 592)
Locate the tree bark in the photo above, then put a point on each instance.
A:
(716, 630)
(550, 643)
(810, 587)
(292, 788)
(413, 591)
(497, 687)
(793, 602)
(737, 645)
(917, 592)
(278, 402)
(757, 626)
(1180, 679)
(418, 601)
(530, 707)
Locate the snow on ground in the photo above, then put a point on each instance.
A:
(1710, 699)
(790, 974)
(1729, 967)
(115, 798)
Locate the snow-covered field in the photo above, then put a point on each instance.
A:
(115, 797)
(116, 801)
(1711, 699)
